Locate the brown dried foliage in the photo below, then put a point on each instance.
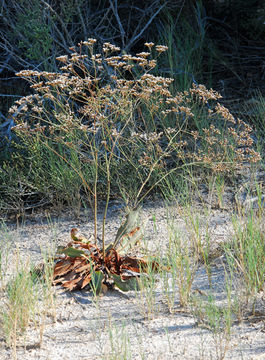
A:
(74, 269)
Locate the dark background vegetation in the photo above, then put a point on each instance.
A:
(219, 43)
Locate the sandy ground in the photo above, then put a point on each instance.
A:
(117, 325)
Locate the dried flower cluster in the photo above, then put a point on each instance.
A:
(102, 108)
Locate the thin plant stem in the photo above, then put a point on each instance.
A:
(106, 209)
(68, 162)
(161, 179)
(95, 198)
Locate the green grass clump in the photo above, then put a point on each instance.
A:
(26, 297)
(20, 307)
(246, 252)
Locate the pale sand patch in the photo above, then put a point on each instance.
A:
(117, 326)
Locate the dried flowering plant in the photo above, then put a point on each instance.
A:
(126, 127)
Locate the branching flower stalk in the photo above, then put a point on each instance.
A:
(126, 129)
(95, 197)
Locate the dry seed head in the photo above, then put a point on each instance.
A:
(220, 109)
(21, 127)
(152, 63)
(203, 94)
(63, 58)
(49, 96)
(92, 40)
(151, 137)
(195, 134)
(37, 109)
(13, 109)
(149, 45)
(161, 48)
(186, 110)
(128, 67)
(28, 73)
(127, 57)
(28, 99)
(37, 85)
(143, 63)
(170, 130)
(143, 54)
(110, 47)
(111, 58)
